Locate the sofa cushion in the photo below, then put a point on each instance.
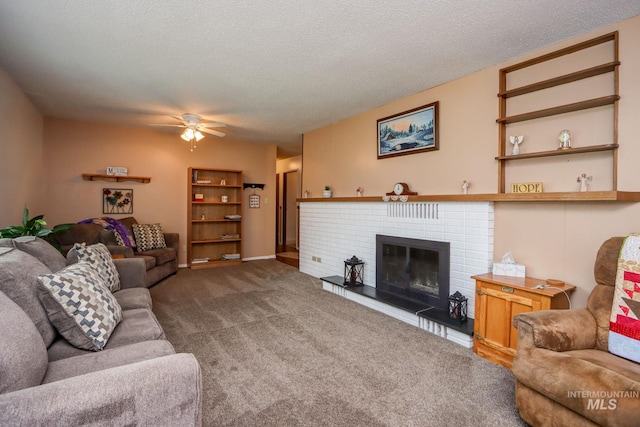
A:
(87, 233)
(80, 306)
(99, 257)
(137, 325)
(42, 250)
(23, 355)
(134, 298)
(162, 256)
(149, 261)
(18, 281)
(148, 236)
(109, 358)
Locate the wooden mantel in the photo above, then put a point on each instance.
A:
(589, 196)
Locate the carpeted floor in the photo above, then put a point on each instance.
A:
(277, 350)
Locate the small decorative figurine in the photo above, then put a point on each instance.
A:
(584, 181)
(565, 140)
(516, 141)
(359, 191)
(465, 186)
(223, 182)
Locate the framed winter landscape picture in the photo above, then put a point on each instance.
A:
(409, 132)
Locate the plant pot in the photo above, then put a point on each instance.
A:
(326, 193)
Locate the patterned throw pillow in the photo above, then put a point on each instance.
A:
(100, 258)
(80, 306)
(148, 236)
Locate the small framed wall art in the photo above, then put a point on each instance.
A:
(254, 201)
(409, 132)
(117, 201)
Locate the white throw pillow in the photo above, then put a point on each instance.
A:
(80, 306)
(99, 257)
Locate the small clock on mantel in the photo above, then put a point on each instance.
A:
(401, 189)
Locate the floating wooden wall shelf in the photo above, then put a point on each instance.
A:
(576, 150)
(504, 119)
(588, 196)
(114, 178)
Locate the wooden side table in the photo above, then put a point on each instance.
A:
(498, 300)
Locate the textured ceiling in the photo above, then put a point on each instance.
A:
(271, 70)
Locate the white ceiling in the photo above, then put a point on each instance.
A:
(272, 70)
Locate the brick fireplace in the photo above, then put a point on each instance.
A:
(333, 231)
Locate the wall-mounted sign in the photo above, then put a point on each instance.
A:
(526, 187)
(117, 171)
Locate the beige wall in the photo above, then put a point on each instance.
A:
(289, 164)
(21, 149)
(73, 148)
(554, 240)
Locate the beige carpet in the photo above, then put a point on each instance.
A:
(277, 350)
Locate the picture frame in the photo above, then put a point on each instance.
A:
(412, 131)
(117, 201)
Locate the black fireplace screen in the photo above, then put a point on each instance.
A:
(417, 270)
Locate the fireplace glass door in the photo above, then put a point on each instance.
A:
(423, 274)
(417, 270)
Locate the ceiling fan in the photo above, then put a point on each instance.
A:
(193, 128)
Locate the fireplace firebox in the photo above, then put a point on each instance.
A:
(413, 269)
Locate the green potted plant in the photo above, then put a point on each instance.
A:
(327, 191)
(35, 226)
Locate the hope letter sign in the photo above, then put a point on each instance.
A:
(526, 187)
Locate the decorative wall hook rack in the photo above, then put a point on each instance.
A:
(249, 185)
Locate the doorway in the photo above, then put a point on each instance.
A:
(287, 219)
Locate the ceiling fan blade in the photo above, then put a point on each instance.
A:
(213, 132)
(162, 124)
(213, 125)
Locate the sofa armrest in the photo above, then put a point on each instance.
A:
(162, 391)
(132, 272)
(556, 330)
(173, 241)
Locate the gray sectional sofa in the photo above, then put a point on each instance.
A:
(135, 379)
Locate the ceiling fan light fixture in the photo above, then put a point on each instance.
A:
(194, 130)
(188, 134)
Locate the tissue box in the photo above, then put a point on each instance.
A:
(515, 270)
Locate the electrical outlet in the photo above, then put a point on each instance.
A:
(318, 259)
(184, 248)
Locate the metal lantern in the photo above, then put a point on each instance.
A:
(458, 307)
(353, 270)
